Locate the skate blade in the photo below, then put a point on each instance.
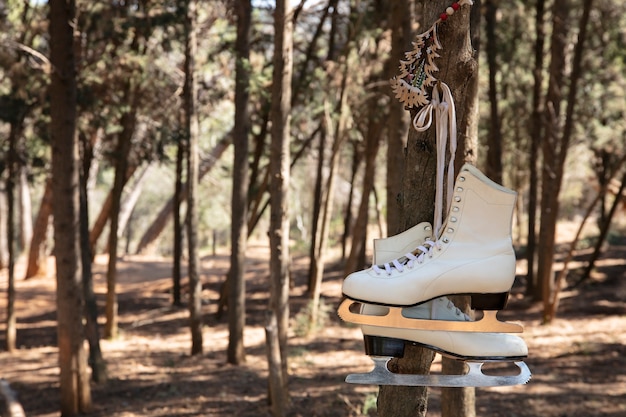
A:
(489, 323)
(381, 375)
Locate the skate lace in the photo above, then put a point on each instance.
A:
(408, 260)
(442, 103)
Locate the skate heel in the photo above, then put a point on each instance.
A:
(490, 301)
(383, 346)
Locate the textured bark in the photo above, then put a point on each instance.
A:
(178, 227)
(239, 231)
(37, 253)
(493, 169)
(532, 287)
(400, 24)
(192, 133)
(279, 194)
(75, 393)
(458, 69)
(127, 121)
(557, 139)
(92, 332)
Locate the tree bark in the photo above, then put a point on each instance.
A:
(75, 395)
(279, 192)
(239, 231)
(493, 168)
(127, 121)
(457, 68)
(192, 133)
(178, 228)
(400, 24)
(556, 141)
(533, 289)
(37, 251)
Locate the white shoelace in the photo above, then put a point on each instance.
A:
(443, 105)
(408, 260)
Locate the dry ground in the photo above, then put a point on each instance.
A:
(578, 362)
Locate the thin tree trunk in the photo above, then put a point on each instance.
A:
(400, 24)
(92, 331)
(604, 230)
(532, 287)
(372, 143)
(178, 228)
(555, 149)
(192, 132)
(279, 193)
(493, 168)
(11, 323)
(550, 180)
(239, 232)
(26, 211)
(37, 251)
(105, 213)
(75, 393)
(127, 122)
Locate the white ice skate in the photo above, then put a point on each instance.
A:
(387, 338)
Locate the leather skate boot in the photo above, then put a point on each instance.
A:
(472, 255)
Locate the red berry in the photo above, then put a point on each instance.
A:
(456, 6)
(443, 16)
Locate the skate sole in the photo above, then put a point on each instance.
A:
(489, 323)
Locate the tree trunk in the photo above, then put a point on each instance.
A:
(279, 194)
(178, 229)
(127, 121)
(372, 142)
(533, 289)
(75, 393)
(400, 24)
(493, 168)
(11, 329)
(92, 331)
(239, 231)
(556, 142)
(192, 133)
(37, 251)
(26, 211)
(105, 213)
(604, 230)
(457, 67)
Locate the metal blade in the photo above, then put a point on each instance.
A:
(381, 375)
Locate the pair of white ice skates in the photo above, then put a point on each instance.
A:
(402, 299)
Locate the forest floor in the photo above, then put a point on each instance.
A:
(578, 361)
